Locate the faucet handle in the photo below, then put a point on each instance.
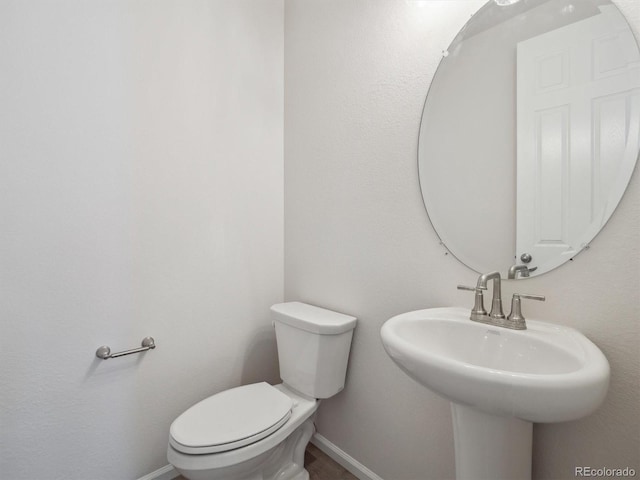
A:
(530, 296)
(471, 289)
(478, 310)
(516, 316)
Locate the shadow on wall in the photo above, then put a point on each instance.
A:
(261, 359)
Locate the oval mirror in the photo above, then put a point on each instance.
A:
(530, 132)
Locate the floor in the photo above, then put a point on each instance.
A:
(319, 465)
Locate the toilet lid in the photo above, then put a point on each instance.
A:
(231, 419)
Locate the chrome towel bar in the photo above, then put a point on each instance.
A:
(104, 352)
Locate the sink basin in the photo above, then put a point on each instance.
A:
(547, 373)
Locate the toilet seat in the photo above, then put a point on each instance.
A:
(231, 419)
(304, 409)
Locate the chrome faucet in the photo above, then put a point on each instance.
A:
(496, 301)
(523, 270)
(478, 313)
(496, 317)
(515, 319)
(515, 269)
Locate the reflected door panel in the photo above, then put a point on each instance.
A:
(576, 97)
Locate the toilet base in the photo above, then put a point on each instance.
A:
(303, 475)
(285, 461)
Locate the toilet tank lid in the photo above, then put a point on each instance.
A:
(313, 319)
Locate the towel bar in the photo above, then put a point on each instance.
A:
(104, 352)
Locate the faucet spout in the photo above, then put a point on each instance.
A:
(515, 269)
(496, 302)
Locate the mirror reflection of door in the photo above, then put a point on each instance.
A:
(577, 102)
(530, 132)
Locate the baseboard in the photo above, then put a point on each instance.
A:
(347, 461)
(165, 473)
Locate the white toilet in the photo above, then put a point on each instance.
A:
(259, 431)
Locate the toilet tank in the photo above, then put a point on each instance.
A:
(313, 347)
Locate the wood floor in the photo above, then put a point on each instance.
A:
(319, 465)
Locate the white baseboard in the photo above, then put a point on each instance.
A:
(165, 473)
(347, 461)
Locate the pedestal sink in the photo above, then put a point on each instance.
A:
(499, 382)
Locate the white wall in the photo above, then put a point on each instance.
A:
(140, 194)
(358, 240)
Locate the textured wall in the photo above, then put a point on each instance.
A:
(140, 194)
(358, 240)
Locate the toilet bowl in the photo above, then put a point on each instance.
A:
(280, 452)
(260, 431)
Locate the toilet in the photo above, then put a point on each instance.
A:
(260, 431)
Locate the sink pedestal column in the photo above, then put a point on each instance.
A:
(490, 447)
